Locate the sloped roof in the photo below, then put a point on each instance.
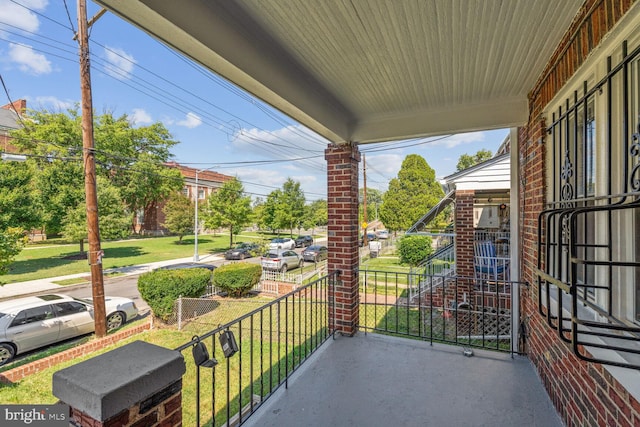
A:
(492, 174)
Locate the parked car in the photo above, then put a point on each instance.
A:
(281, 260)
(315, 253)
(382, 234)
(370, 236)
(304, 241)
(37, 321)
(282, 243)
(243, 250)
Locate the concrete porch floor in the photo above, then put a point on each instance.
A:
(377, 380)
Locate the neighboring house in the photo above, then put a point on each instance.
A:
(208, 182)
(9, 121)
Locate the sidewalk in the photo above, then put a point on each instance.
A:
(12, 290)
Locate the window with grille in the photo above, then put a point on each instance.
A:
(589, 249)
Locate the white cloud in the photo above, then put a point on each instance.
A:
(287, 142)
(191, 121)
(461, 138)
(140, 117)
(28, 60)
(265, 177)
(21, 17)
(119, 63)
(51, 103)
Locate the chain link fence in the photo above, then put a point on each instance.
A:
(214, 308)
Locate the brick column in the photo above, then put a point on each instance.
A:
(464, 233)
(139, 384)
(342, 199)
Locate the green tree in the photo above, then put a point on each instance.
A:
(12, 241)
(228, 207)
(19, 207)
(374, 200)
(257, 213)
(290, 206)
(466, 161)
(410, 195)
(132, 158)
(179, 214)
(114, 220)
(270, 210)
(315, 214)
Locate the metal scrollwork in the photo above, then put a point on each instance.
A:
(634, 150)
(566, 174)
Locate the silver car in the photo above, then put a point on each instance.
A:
(32, 322)
(281, 260)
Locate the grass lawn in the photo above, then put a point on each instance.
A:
(39, 261)
(267, 349)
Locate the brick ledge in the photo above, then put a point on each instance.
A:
(16, 374)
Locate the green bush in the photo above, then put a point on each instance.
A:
(237, 279)
(161, 288)
(414, 248)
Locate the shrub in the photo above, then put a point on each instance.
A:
(237, 279)
(161, 288)
(414, 249)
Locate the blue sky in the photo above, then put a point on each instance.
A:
(218, 125)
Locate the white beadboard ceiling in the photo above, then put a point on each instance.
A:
(370, 70)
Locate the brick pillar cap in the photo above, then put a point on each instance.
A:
(106, 385)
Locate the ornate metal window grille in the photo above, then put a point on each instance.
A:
(588, 245)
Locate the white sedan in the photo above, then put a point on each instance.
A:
(37, 321)
(282, 243)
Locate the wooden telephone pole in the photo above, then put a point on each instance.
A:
(365, 240)
(88, 157)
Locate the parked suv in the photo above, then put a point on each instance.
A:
(304, 241)
(281, 260)
(315, 253)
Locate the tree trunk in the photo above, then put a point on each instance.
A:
(81, 246)
(231, 236)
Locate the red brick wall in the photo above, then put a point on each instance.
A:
(342, 233)
(464, 232)
(583, 393)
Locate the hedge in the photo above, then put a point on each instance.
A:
(161, 288)
(237, 279)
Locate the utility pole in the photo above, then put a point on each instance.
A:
(90, 188)
(364, 200)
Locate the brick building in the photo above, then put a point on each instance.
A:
(150, 222)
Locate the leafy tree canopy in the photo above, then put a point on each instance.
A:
(131, 158)
(12, 241)
(19, 207)
(285, 208)
(179, 212)
(466, 160)
(114, 220)
(410, 195)
(228, 207)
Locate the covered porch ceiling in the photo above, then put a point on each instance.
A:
(370, 70)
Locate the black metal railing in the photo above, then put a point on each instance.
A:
(254, 355)
(459, 311)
